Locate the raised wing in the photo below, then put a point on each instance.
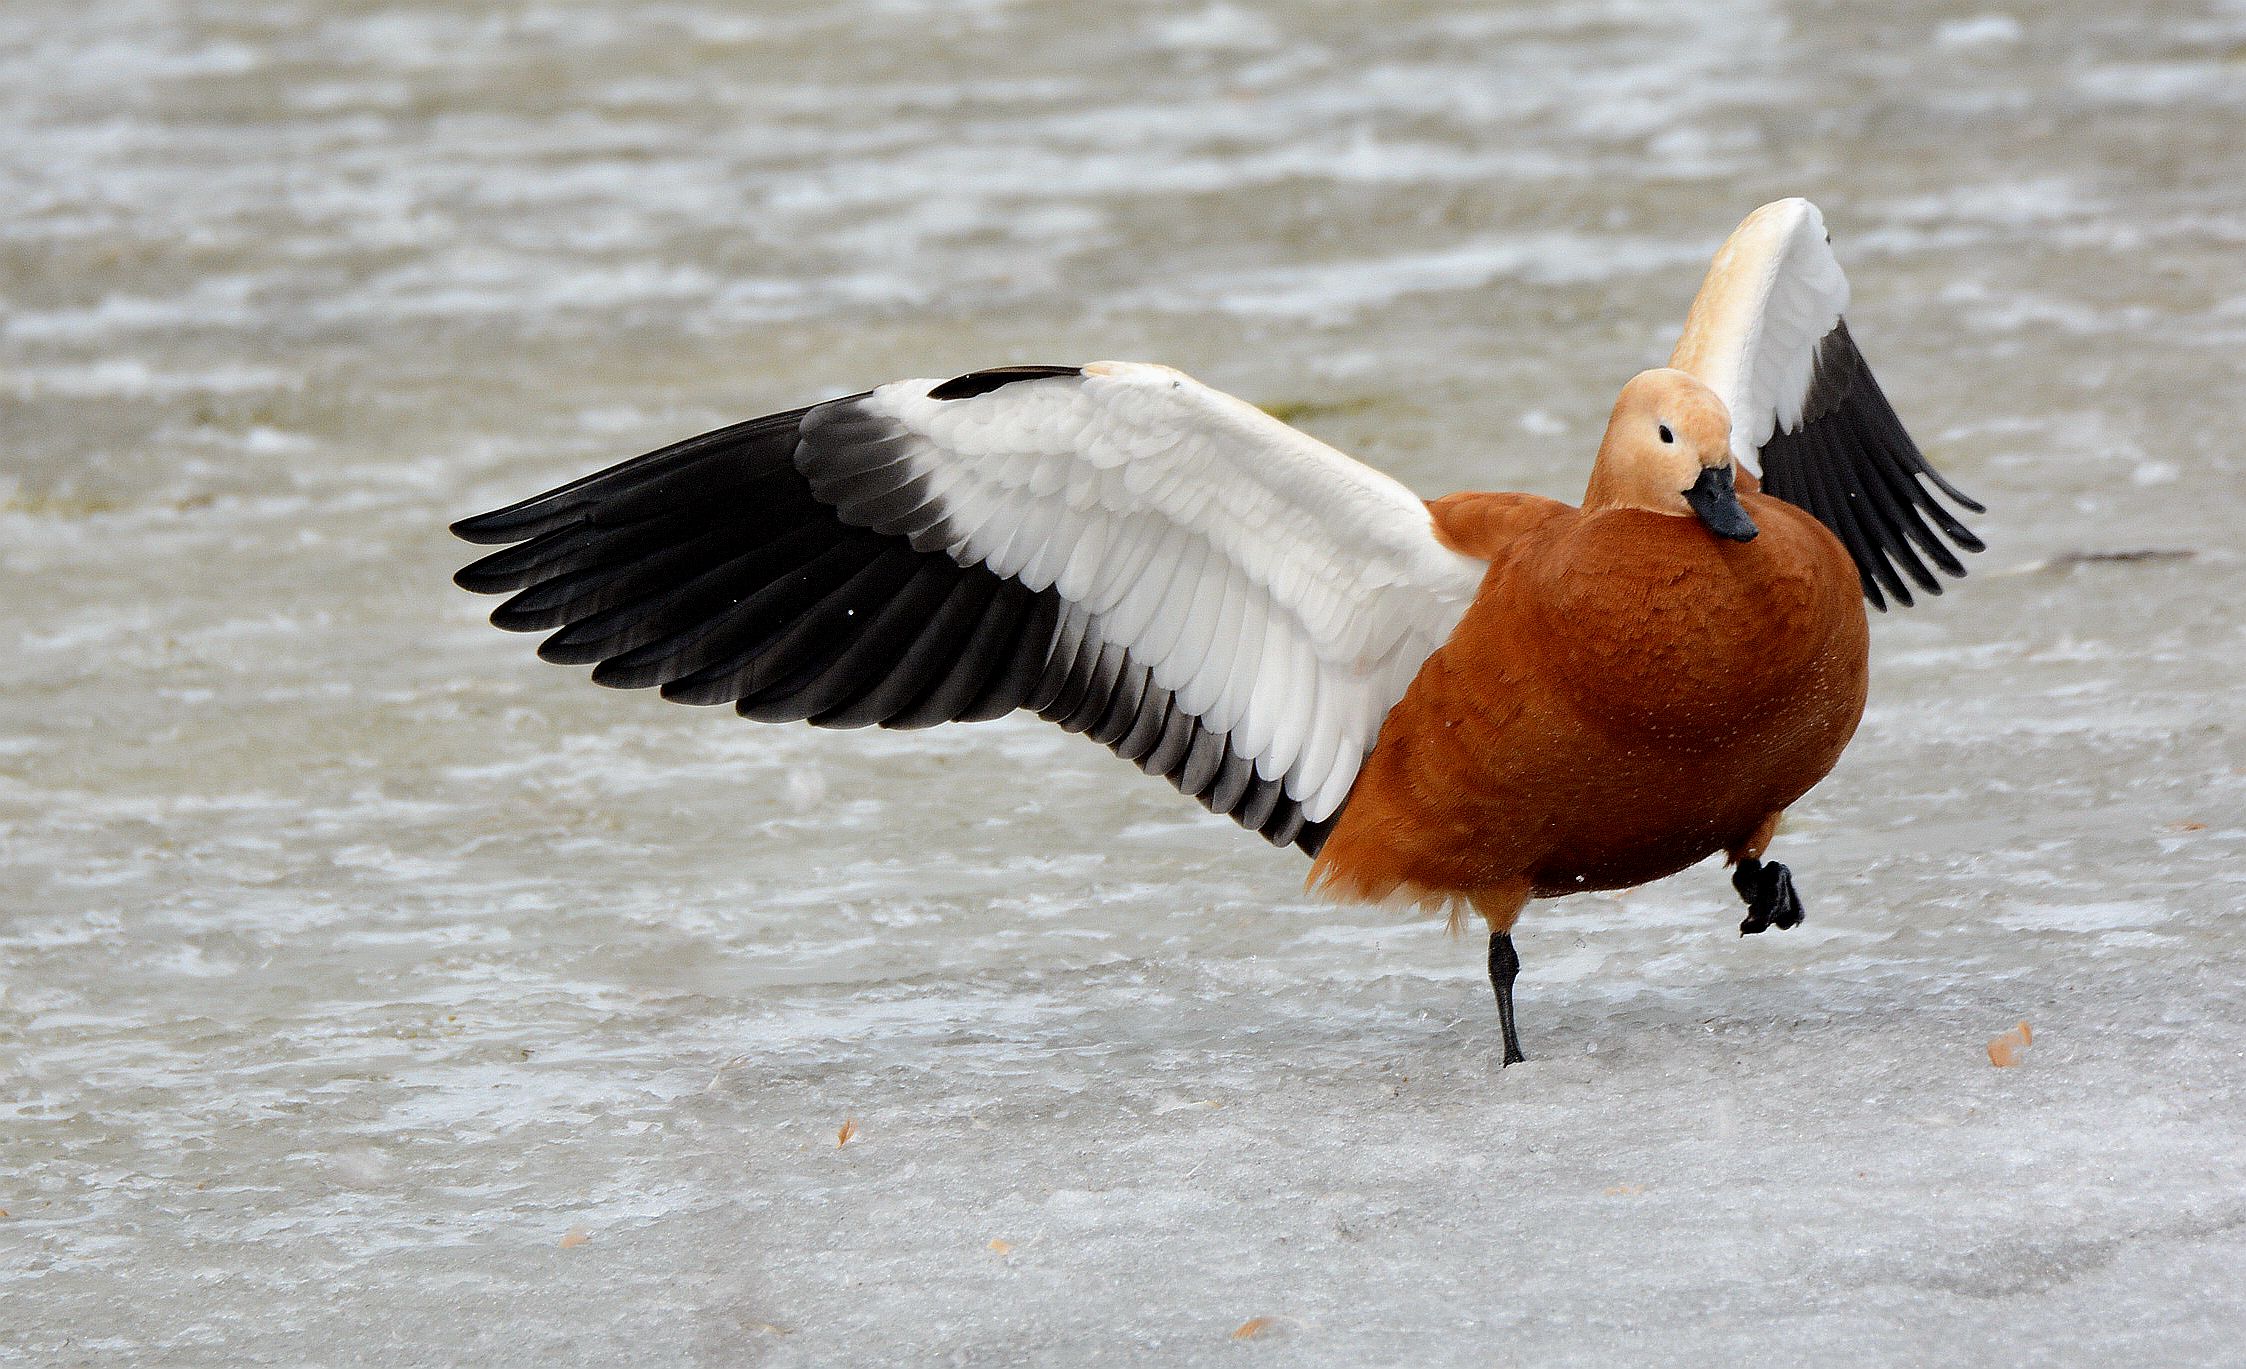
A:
(1214, 595)
(1766, 333)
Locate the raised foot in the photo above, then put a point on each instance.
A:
(1505, 966)
(1769, 891)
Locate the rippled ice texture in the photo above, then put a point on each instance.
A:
(375, 993)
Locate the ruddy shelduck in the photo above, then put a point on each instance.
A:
(1468, 703)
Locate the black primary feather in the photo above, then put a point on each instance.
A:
(791, 566)
(1850, 463)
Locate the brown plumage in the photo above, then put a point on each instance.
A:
(1628, 694)
(1468, 704)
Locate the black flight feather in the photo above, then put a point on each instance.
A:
(792, 566)
(1851, 464)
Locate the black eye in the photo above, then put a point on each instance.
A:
(1666, 435)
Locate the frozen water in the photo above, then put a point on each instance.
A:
(372, 993)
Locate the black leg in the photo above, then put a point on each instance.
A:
(1768, 888)
(1505, 966)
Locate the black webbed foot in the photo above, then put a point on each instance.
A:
(1769, 891)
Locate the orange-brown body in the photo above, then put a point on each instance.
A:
(1627, 695)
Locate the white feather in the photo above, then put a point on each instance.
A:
(1138, 541)
(1344, 770)
(1044, 564)
(1321, 746)
(1134, 613)
(1158, 645)
(1286, 593)
(1276, 691)
(1227, 715)
(1217, 627)
(1292, 710)
(1087, 544)
(1773, 292)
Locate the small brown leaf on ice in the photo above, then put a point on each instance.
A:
(849, 1129)
(577, 1236)
(2189, 826)
(2004, 1051)
(1001, 1247)
(1625, 1190)
(1252, 1328)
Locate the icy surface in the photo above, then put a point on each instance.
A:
(370, 992)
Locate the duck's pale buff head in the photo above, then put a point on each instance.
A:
(1668, 450)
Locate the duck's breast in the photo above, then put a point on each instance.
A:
(1648, 620)
(1627, 695)
(1712, 682)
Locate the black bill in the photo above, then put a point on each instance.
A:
(1715, 499)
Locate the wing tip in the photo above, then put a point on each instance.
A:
(493, 528)
(1781, 224)
(1793, 206)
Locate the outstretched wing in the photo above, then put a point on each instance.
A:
(1766, 333)
(1214, 595)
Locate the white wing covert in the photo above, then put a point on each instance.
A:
(1767, 334)
(1216, 596)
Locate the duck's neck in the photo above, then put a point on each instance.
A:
(1617, 484)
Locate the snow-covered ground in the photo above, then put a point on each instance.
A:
(370, 992)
